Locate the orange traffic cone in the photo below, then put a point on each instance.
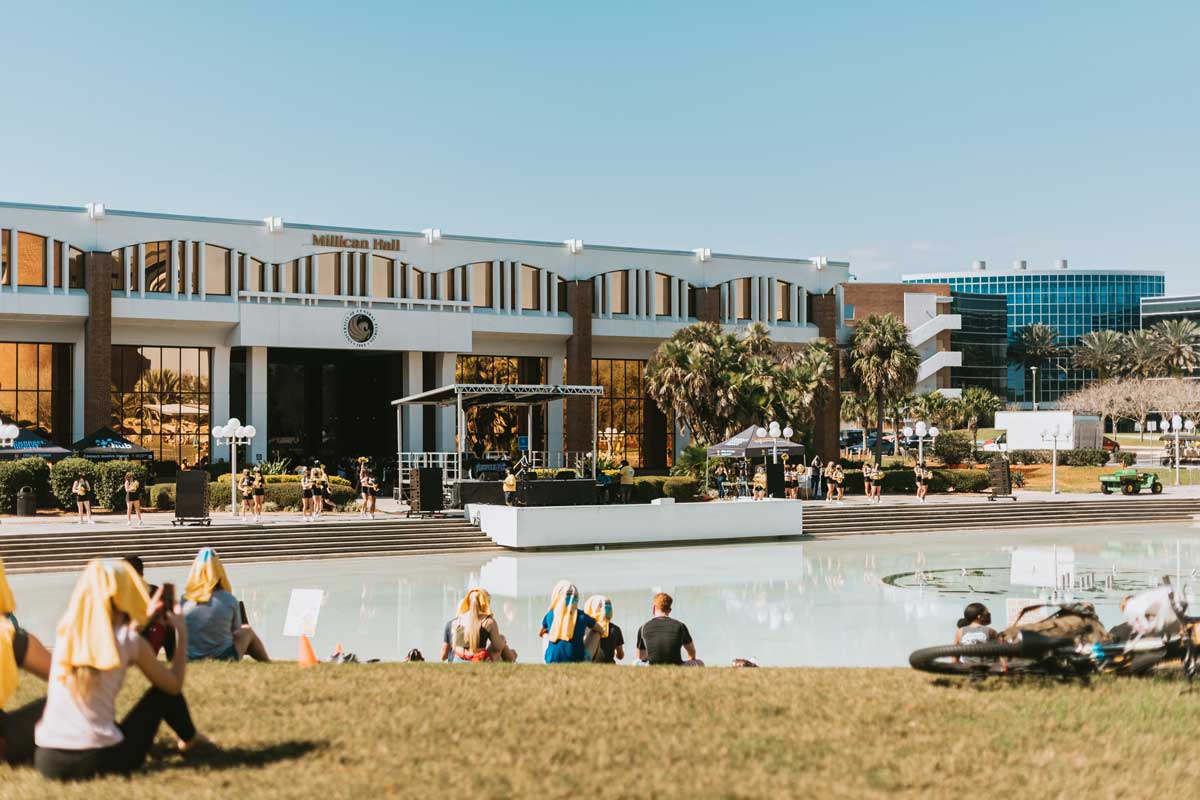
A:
(307, 657)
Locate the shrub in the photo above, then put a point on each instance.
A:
(62, 475)
(1125, 459)
(334, 480)
(953, 447)
(284, 494)
(14, 475)
(1029, 456)
(960, 480)
(164, 498)
(1083, 457)
(110, 482)
(681, 488)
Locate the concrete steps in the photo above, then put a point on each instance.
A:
(39, 552)
(844, 520)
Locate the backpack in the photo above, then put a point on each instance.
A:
(1076, 621)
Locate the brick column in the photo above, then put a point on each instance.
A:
(828, 414)
(708, 304)
(97, 342)
(580, 300)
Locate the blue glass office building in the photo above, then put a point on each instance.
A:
(1071, 301)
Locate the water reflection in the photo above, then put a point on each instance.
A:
(853, 601)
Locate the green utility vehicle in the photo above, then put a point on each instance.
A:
(1130, 481)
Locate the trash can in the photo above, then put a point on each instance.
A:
(26, 502)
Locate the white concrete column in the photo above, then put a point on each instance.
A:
(48, 265)
(725, 301)
(494, 268)
(546, 280)
(414, 416)
(554, 411)
(174, 260)
(235, 282)
(141, 271)
(188, 266)
(256, 400)
(754, 299)
(14, 253)
(651, 293)
(552, 292)
(445, 364)
(801, 305)
(218, 411)
(129, 268)
(772, 311)
(342, 271)
(606, 297)
(518, 288)
(428, 281)
(201, 272)
(632, 292)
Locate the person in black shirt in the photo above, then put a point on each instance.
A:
(660, 640)
(611, 645)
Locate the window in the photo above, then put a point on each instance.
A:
(158, 267)
(742, 300)
(118, 270)
(783, 301)
(691, 302)
(217, 263)
(531, 288)
(4, 258)
(35, 387)
(662, 295)
(383, 281)
(622, 411)
(496, 429)
(252, 274)
(847, 312)
(618, 292)
(329, 274)
(417, 289)
(481, 284)
(31, 259)
(160, 399)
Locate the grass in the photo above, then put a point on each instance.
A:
(428, 730)
(1082, 480)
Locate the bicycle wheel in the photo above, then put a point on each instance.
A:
(940, 660)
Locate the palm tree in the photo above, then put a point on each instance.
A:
(856, 411)
(885, 364)
(1141, 356)
(1032, 346)
(899, 406)
(1099, 351)
(978, 404)
(1178, 345)
(932, 407)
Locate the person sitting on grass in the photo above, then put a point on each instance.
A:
(97, 641)
(476, 635)
(214, 620)
(19, 650)
(564, 626)
(660, 640)
(975, 628)
(610, 644)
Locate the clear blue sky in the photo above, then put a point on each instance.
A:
(903, 137)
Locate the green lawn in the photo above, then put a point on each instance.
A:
(428, 730)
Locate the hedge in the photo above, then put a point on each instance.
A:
(953, 447)
(284, 494)
(62, 476)
(109, 485)
(289, 477)
(15, 475)
(1124, 458)
(1081, 457)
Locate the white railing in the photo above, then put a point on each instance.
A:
(940, 360)
(580, 461)
(366, 301)
(930, 328)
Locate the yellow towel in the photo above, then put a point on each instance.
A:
(207, 575)
(599, 608)
(85, 632)
(564, 602)
(7, 604)
(485, 602)
(9, 677)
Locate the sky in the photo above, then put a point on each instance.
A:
(901, 137)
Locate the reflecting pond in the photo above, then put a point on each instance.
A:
(852, 601)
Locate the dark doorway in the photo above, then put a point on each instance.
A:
(333, 405)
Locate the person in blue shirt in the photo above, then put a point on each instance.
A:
(564, 626)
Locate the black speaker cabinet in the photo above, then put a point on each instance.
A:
(191, 494)
(775, 479)
(425, 496)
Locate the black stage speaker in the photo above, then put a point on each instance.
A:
(191, 494)
(775, 479)
(425, 494)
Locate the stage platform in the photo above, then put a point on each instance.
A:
(661, 522)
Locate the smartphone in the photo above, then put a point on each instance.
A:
(168, 596)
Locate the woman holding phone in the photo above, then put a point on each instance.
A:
(82, 489)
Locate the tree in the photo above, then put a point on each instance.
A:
(1033, 346)
(1141, 356)
(1178, 345)
(932, 408)
(978, 404)
(884, 364)
(1101, 352)
(899, 406)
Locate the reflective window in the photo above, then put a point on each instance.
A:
(35, 387)
(481, 284)
(383, 277)
(663, 302)
(118, 270)
(217, 269)
(158, 267)
(417, 289)
(161, 397)
(783, 301)
(496, 429)
(742, 301)
(329, 274)
(622, 411)
(531, 288)
(618, 292)
(4, 259)
(31, 259)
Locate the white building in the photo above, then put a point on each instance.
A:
(162, 325)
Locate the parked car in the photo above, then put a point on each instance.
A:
(1111, 445)
(997, 445)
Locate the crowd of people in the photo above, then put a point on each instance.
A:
(820, 480)
(115, 620)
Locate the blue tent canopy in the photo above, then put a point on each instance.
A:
(32, 444)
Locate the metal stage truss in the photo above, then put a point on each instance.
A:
(464, 396)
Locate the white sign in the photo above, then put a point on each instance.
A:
(1152, 426)
(302, 613)
(1048, 567)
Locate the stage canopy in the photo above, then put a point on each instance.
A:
(472, 395)
(748, 444)
(107, 445)
(31, 444)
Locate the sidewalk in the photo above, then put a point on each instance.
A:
(1169, 492)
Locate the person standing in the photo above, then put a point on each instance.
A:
(660, 640)
(816, 478)
(721, 475)
(626, 481)
(370, 492)
(133, 499)
(838, 476)
(260, 492)
(82, 489)
(306, 495)
(922, 476)
(510, 488)
(245, 490)
(317, 479)
(877, 483)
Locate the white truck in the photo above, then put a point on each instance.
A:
(1026, 430)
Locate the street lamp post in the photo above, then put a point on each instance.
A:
(1035, 387)
(233, 433)
(1052, 435)
(1179, 424)
(774, 431)
(8, 435)
(921, 430)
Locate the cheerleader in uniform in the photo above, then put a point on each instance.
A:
(82, 489)
(318, 490)
(246, 490)
(260, 493)
(306, 493)
(370, 492)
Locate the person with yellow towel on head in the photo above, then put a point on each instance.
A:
(97, 641)
(565, 625)
(610, 641)
(214, 618)
(476, 636)
(19, 650)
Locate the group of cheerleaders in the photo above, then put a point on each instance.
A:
(315, 495)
